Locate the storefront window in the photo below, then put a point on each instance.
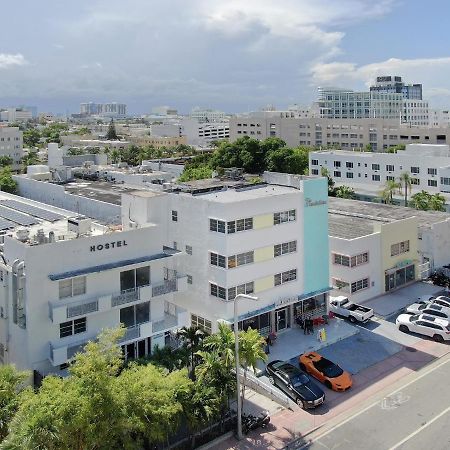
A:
(260, 323)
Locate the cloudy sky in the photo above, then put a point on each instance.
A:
(235, 55)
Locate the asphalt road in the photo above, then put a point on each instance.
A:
(414, 417)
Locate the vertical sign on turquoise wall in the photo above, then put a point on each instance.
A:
(315, 238)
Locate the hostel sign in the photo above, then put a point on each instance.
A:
(108, 245)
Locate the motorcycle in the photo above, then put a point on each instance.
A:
(251, 422)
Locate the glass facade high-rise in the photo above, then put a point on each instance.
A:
(395, 84)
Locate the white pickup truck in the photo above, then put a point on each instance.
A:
(342, 306)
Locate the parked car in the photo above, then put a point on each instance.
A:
(342, 306)
(441, 300)
(435, 327)
(432, 309)
(295, 384)
(325, 371)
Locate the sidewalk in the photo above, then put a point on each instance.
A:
(292, 343)
(288, 426)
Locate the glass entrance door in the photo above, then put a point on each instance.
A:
(281, 319)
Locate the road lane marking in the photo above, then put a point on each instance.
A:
(421, 428)
(427, 372)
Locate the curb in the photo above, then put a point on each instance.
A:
(216, 441)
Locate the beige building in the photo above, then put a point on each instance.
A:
(338, 133)
(159, 141)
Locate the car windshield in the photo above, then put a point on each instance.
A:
(328, 368)
(421, 307)
(414, 318)
(299, 380)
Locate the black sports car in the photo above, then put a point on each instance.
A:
(295, 384)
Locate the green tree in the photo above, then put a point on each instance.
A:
(287, 160)
(192, 338)
(331, 189)
(437, 202)
(115, 156)
(31, 137)
(345, 192)
(149, 400)
(7, 183)
(195, 173)
(11, 386)
(405, 182)
(111, 134)
(77, 412)
(5, 161)
(425, 201)
(251, 351)
(387, 194)
(222, 343)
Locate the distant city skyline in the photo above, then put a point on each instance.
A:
(232, 56)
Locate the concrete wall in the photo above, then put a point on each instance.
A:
(55, 195)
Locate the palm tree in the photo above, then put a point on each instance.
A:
(251, 350)
(405, 182)
(222, 343)
(387, 194)
(192, 338)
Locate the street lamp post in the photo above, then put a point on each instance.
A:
(236, 359)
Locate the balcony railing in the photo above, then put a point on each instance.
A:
(125, 297)
(165, 287)
(82, 308)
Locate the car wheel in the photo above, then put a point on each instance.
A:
(300, 403)
(403, 329)
(438, 338)
(352, 319)
(302, 367)
(328, 384)
(272, 381)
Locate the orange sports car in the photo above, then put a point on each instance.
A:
(327, 372)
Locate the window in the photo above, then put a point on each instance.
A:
(357, 260)
(445, 181)
(341, 259)
(349, 165)
(189, 249)
(314, 172)
(375, 177)
(390, 178)
(415, 181)
(337, 163)
(340, 285)
(135, 315)
(389, 168)
(415, 170)
(174, 216)
(432, 171)
(285, 216)
(217, 291)
(314, 162)
(399, 248)
(375, 167)
(189, 279)
(240, 225)
(337, 174)
(246, 288)
(217, 225)
(283, 249)
(217, 260)
(359, 285)
(72, 287)
(72, 327)
(285, 277)
(240, 259)
(432, 183)
(200, 322)
(134, 278)
(349, 174)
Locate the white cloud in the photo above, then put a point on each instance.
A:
(9, 60)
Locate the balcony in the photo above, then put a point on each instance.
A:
(60, 313)
(60, 355)
(179, 319)
(142, 330)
